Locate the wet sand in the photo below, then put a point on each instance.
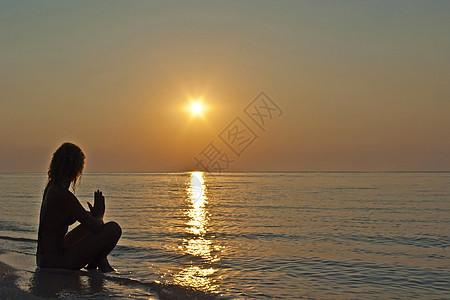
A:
(19, 279)
(8, 286)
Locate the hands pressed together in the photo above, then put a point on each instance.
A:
(98, 210)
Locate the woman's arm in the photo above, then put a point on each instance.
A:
(74, 207)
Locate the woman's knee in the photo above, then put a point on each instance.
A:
(113, 228)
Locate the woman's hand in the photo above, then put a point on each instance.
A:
(98, 210)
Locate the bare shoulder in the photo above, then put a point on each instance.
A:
(55, 191)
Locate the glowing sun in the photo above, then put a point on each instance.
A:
(196, 108)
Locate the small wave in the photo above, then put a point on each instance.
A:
(68, 283)
(14, 226)
(418, 241)
(18, 239)
(164, 291)
(352, 188)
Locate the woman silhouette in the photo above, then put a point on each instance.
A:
(91, 241)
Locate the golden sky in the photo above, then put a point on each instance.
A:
(362, 85)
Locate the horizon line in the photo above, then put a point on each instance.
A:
(242, 171)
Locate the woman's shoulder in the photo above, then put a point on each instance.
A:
(57, 191)
(60, 196)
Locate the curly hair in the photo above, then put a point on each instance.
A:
(67, 163)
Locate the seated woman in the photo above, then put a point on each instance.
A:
(90, 242)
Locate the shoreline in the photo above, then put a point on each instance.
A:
(19, 279)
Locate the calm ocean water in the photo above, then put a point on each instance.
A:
(258, 235)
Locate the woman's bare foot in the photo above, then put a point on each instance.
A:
(105, 267)
(102, 265)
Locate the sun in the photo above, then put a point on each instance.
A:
(196, 108)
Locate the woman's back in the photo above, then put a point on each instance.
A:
(53, 225)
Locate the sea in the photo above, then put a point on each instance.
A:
(274, 235)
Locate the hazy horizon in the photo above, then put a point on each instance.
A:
(361, 86)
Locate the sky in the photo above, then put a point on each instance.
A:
(360, 85)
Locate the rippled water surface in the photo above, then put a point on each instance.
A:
(262, 235)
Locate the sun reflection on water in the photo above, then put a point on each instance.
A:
(197, 274)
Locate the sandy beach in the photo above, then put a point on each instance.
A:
(8, 286)
(19, 279)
